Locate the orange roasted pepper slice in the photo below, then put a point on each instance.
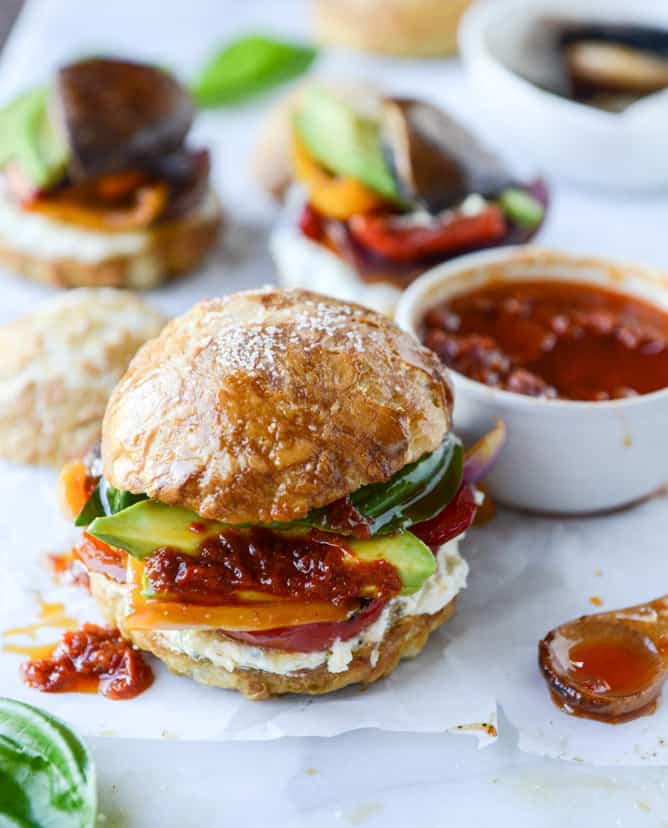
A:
(115, 203)
(73, 489)
(148, 614)
(334, 197)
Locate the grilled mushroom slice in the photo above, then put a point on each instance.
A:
(116, 114)
(614, 65)
(436, 161)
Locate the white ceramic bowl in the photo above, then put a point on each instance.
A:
(499, 45)
(561, 456)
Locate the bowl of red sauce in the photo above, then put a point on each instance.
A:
(572, 353)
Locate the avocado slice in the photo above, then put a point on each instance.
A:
(413, 559)
(30, 139)
(345, 142)
(149, 525)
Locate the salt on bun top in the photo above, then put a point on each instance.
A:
(264, 404)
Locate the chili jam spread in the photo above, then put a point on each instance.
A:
(553, 339)
(91, 659)
(308, 567)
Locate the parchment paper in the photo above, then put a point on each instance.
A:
(527, 574)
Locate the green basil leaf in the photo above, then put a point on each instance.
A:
(47, 775)
(30, 139)
(92, 508)
(106, 500)
(416, 493)
(247, 67)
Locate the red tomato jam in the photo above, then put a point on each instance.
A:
(97, 557)
(553, 339)
(92, 659)
(309, 567)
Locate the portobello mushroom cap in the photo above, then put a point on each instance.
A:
(436, 161)
(116, 115)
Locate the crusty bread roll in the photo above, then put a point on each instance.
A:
(265, 404)
(418, 28)
(59, 366)
(64, 255)
(404, 638)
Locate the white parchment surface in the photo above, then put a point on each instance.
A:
(527, 574)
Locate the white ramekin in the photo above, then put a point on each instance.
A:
(561, 456)
(499, 46)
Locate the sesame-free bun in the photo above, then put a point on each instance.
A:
(404, 638)
(410, 28)
(62, 254)
(59, 365)
(262, 405)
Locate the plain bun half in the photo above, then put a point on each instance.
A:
(262, 405)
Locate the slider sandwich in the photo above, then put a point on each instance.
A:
(279, 499)
(97, 184)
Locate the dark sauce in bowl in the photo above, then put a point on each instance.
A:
(551, 339)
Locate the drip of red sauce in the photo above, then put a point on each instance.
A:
(98, 557)
(90, 660)
(342, 516)
(553, 339)
(67, 569)
(309, 567)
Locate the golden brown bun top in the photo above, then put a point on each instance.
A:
(265, 404)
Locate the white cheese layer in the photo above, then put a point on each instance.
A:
(47, 238)
(448, 580)
(303, 263)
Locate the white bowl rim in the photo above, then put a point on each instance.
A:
(471, 39)
(439, 273)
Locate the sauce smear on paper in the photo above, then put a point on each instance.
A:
(91, 659)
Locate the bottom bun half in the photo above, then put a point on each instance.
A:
(210, 657)
(60, 254)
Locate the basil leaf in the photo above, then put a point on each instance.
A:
(106, 500)
(30, 139)
(92, 508)
(47, 775)
(416, 493)
(247, 67)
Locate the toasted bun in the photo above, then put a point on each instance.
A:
(403, 639)
(59, 366)
(154, 255)
(271, 160)
(265, 404)
(419, 28)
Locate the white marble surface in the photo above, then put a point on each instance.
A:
(365, 778)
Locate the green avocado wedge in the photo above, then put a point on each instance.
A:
(413, 559)
(30, 139)
(149, 525)
(47, 775)
(346, 143)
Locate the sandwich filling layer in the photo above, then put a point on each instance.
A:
(39, 235)
(211, 645)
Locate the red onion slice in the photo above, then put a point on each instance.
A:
(481, 457)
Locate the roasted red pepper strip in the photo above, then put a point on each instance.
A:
(456, 518)
(382, 235)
